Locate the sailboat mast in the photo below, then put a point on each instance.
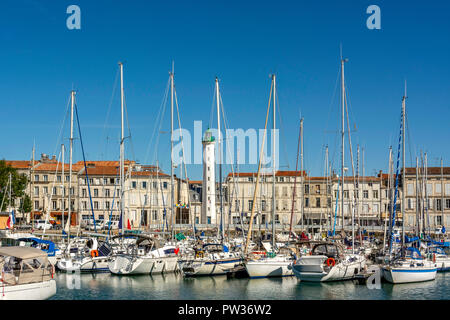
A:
(70, 164)
(273, 163)
(404, 166)
(62, 187)
(219, 149)
(302, 190)
(417, 198)
(172, 204)
(342, 138)
(122, 146)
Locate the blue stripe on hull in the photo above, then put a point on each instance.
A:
(222, 262)
(432, 270)
(260, 277)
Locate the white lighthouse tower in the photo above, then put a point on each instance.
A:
(209, 180)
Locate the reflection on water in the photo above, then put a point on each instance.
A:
(106, 286)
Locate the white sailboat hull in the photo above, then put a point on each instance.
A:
(269, 268)
(142, 265)
(30, 291)
(311, 268)
(203, 267)
(408, 274)
(96, 264)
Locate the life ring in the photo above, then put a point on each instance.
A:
(199, 254)
(331, 262)
(94, 253)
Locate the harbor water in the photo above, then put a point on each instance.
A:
(105, 286)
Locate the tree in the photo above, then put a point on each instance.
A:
(26, 206)
(18, 184)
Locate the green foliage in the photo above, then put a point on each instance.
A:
(26, 206)
(18, 184)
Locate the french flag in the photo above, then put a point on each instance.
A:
(11, 220)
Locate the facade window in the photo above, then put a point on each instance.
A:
(346, 194)
(36, 177)
(45, 177)
(36, 191)
(106, 204)
(447, 203)
(133, 184)
(366, 194)
(58, 178)
(72, 191)
(250, 205)
(54, 204)
(165, 185)
(375, 194)
(95, 192)
(107, 193)
(155, 185)
(306, 202)
(438, 204)
(250, 179)
(84, 205)
(36, 205)
(329, 202)
(96, 205)
(83, 192)
(67, 178)
(317, 202)
(306, 188)
(370, 184)
(105, 181)
(281, 179)
(144, 184)
(45, 190)
(54, 191)
(318, 188)
(263, 205)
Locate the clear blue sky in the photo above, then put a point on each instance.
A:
(241, 42)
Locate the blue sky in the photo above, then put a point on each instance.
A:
(241, 42)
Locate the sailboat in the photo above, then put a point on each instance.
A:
(329, 261)
(26, 274)
(402, 268)
(146, 255)
(273, 263)
(212, 258)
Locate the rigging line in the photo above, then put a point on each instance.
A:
(109, 109)
(157, 119)
(332, 98)
(129, 129)
(58, 141)
(350, 145)
(182, 144)
(283, 137)
(411, 144)
(85, 169)
(51, 194)
(212, 110)
(165, 102)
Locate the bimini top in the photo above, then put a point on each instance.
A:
(22, 252)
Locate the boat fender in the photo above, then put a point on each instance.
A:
(434, 257)
(94, 253)
(331, 262)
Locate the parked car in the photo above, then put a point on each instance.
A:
(98, 224)
(42, 225)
